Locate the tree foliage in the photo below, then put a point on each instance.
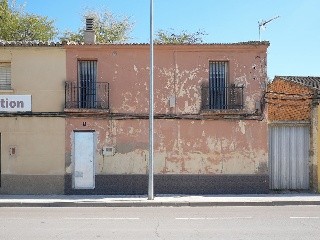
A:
(17, 25)
(184, 37)
(109, 27)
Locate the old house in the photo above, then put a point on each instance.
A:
(210, 125)
(74, 118)
(293, 132)
(32, 122)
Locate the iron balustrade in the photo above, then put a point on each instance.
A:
(88, 95)
(219, 98)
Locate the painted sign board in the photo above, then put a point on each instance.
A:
(15, 103)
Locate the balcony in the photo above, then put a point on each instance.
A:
(221, 98)
(91, 95)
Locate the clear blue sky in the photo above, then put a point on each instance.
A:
(294, 37)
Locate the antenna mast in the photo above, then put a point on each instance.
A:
(263, 23)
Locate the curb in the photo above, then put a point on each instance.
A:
(158, 204)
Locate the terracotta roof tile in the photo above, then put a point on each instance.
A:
(308, 81)
(58, 44)
(29, 44)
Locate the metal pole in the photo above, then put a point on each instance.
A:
(150, 188)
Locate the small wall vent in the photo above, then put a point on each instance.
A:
(107, 151)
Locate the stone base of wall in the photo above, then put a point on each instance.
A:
(174, 184)
(32, 184)
(137, 184)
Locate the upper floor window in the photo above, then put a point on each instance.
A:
(87, 93)
(87, 78)
(5, 75)
(217, 93)
(218, 72)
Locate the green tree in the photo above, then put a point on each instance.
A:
(109, 27)
(170, 37)
(17, 25)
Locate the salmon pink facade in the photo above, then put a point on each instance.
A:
(210, 127)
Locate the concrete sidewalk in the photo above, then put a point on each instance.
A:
(159, 200)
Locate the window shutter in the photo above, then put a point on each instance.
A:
(5, 76)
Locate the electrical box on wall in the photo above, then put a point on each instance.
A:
(107, 151)
(172, 101)
(258, 105)
(12, 150)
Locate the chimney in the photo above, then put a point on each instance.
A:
(89, 33)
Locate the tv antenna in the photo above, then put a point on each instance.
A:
(263, 23)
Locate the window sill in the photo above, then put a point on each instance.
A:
(222, 111)
(6, 91)
(86, 110)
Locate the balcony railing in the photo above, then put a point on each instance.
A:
(88, 95)
(219, 98)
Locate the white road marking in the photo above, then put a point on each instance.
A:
(221, 218)
(305, 217)
(101, 218)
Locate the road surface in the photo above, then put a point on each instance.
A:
(288, 222)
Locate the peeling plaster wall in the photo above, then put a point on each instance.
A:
(179, 72)
(181, 146)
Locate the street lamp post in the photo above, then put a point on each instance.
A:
(151, 185)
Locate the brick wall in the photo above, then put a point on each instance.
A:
(288, 101)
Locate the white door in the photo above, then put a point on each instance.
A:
(84, 175)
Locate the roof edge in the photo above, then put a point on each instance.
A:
(4, 43)
(312, 82)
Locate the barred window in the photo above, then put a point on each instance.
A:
(218, 73)
(218, 93)
(5, 75)
(88, 83)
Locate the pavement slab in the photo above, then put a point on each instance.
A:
(158, 201)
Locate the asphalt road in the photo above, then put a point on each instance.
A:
(289, 222)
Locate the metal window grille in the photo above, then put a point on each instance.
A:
(5, 76)
(87, 84)
(217, 93)
(218, 73)
(87, 93)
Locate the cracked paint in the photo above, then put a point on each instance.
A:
(181, 146)
(242, 127)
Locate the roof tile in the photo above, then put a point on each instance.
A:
(4, 43)
(308, 81)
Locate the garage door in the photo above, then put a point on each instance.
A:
(289, 157)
